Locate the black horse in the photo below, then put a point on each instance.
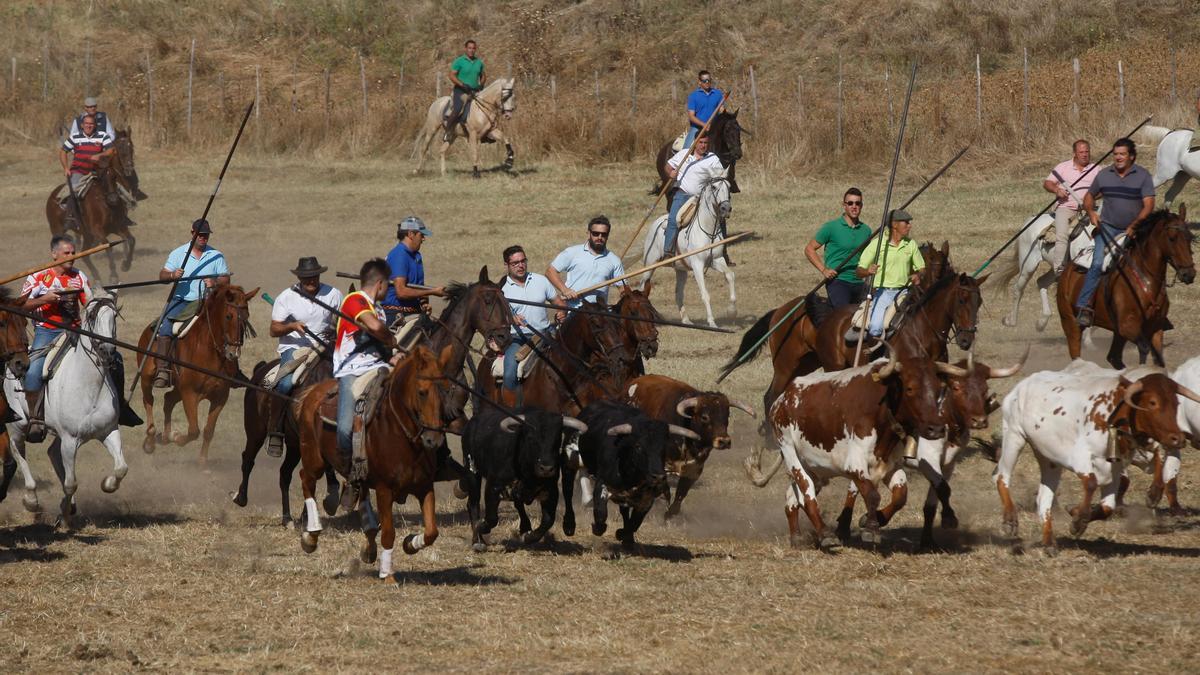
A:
(725, 141)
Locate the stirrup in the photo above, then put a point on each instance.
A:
(162, 379)
(1084, 317)
(275, 444)
(35, 432)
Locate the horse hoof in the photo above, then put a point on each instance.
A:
(331, 503)
(568, 528)
(148, 445)
(368, 553)
(829, 542)
(1154, 495)
(1042, 321)
(1050, 551)
(1009, 322)
(110, 484)
(949, 521)
(534, 537)
(870, 536)
(285, 521)
(30, 502)
(1078, 527)
(408, 545)
(238, 498)
(179, 439)
(479, 547)
(308, 541)
(459, 492)
(598, 529)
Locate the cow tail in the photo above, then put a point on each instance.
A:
(744, 353)
(753, 466)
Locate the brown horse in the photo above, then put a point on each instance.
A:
(214, 342)
(103, 211)
(14, 359)
(401, 444)
(124, 146)
(640, 337)
(1132, 300)
(725, 141)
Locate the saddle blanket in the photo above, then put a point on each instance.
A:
(54, 354)
(367, 391)
(524, 363)
(302, 360)
(405, 330)
(677, 144)
(1083, 246)
(860, 318)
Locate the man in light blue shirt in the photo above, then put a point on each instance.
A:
(521, 284)
(586, 265)
(202, 260)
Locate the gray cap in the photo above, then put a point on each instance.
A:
(89, 101)
(900, 214)
(415, 224)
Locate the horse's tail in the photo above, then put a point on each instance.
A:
(1155, 134)
(1004, 271)
(744, 353)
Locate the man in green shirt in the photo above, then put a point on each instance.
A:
(468, 77)
(900, 261)
(841, 237)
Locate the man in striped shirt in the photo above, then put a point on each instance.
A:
(84, 150)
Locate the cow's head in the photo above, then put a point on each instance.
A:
(641, 445)
(966, 401)
(708, 415)
(1149, 409)
(539, 441)
(915, 393)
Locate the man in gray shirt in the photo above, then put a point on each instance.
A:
(1128, 192)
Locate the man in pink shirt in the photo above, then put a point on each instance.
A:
(1061, 183)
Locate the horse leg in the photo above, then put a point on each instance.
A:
(16, 452)
(473, 140)
(112, 443)
(843, 522)
(112, 264)
(416, 542)
(1044, 283)
(332, 489)
(680, 280)
(1177, 184)
(286, 468)
(568, 494)
(721, 266)
(191, 410)
(130, 244)
(170, 400)
(1156, 348)
(62, 456)
(387, 530)
(309, 471)
(445, 146)
(1115, 349)
(256, 432)
(698, 272)
(215, 405)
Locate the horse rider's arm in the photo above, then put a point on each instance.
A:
(1089, 205)
(810, 252)
(454, 79)
(280, 328)
(1054, 188)
(64, 158)
(406, 292)
(864, 272)
(33, 302)
(482, 75)
(375, 327)
(1147, 207)
(556, 279)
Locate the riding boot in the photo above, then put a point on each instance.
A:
(358, 458)
(162, 369)
(126, 416)
(36, 431)
(275, 428)
(728, 260)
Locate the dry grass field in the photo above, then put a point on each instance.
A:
(168, 574)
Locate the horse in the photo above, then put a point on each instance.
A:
(707, 226)
(81, 404)
(14, 360)
(725, 141)
(214, 342)
(1132, 301)
(103, 211)
(124, 146)
(640, 337)
(401, 443)
(1177, 161)
(482, 123)
(1014, 271)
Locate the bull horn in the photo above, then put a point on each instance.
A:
(892, 367)
(682, 409)
(971, 359)
(951, 370)
(509, 424)
(1131, 391)
(677, 430)
(1187, 393)
(620, 429)
(994, 373)
(734, 403)
(575, 424)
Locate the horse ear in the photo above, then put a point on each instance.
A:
(735, 112)
(251, 294)
(624, 290)
(981, 279)
(483, 275)
(1183, 211)
(446, 357)
(946, 248)
(646, 288)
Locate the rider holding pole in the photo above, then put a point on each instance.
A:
(691, 172)
(899, 263)
(702, 104)
(1068, 181)
(841, 238)
(468, 76)
(202, 259)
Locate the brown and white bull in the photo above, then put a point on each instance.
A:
(853, 424)
(1086, 419)
(704, 412)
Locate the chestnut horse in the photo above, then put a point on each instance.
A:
(725, 141)
(1132, 301)
(104, 213)
(401, 443)
(214, 342)
(640, 337)
(14, 358)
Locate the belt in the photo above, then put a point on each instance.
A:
(403, 309)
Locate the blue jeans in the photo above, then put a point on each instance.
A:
(510, 360)
(285, 385)
(673, 220)
(691, 136)
(41, 338)
(884, 297)
(173, 310)
(843, 293)
(1105, 236)
(345, 416)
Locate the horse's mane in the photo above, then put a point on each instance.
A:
(1152, 221)
(455, 293)
(621, 303)
(497, 83)
(6, 295)
(940, 284)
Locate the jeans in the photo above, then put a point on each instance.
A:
(510, 360)
(842, 293)
(458, 102)
(691, 136)
(285, 385)
(673, 221)
(345, 416)
(1106, 236)
(41, 337)
(173, 310)
(884, 297)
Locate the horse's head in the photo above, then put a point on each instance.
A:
(640, 336)
(716, 192)
(507, 102)
(487, 310)
(100, 317)
(112, 173)
(937, 263)
(1171, 235)
(414, 387)
(227, 311)
(727, 136)
(14, 341)
(124, 146)
(584, 334)
(967, 301)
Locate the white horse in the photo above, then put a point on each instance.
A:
(482, 122)
(81, 405)
(1177, 161)
(712, 210)
(1020, 266)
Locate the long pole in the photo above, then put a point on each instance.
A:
(47, 265)
(665, 261)
(887, 213)
(1054, 201)
(610, 315)
(668, 183)
(159, 282)
(317, 339)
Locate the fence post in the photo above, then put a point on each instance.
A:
(553, 94)
(839, 103)
(754, 95)
(87, 68)
(257, 94)
(1121, 85)
(362, 74)
(887, 87)
(149, 91)
(1174, 91)
(1075, 88)
(46, 72)
(674, 91)
(437, 89)
(800, 97)
(13, 91)
(978, 93)
(326, 101)
(221, 86)
(1025, 94)
(633, 93)
(191, 69)
(599, 104)
(293, 87)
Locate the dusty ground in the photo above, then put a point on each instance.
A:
(168, 574)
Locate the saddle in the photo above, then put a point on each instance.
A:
(406, 329)
(1082, 247)
(860, 318)
(55, 351)
(677, 144)
(817, 307)
(367, 391)
(302, 360)
(524, 363)
(687, 212)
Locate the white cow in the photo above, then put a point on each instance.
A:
(1066, 417)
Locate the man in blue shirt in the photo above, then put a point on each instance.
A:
(701, 105)
(201, 260)
(521, 284)
(586, 265)
(408, 267)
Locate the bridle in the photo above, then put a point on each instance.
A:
(103, 353)
(421, 425)
(492, 111)
(711, 203)
(231, 350)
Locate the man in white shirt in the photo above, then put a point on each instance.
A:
(295, 320)
(1070, 199)
(521, 284)
(691, 173)
(586, 265)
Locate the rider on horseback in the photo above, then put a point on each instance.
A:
(468, 77)
(57, 294)
(840, 238)
(205, 260)
(691, 172)
(521, 284)
(85, 149)
(701, 105)
(586, 265)
(408, 269)
(901, 262)
(1076, 172)
(103, 123)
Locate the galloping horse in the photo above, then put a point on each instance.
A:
(401, 443)
(640, 337)
(214, 342)
(14, 360)
(482, 124)
(706, 227)
(725, 141)
(1177, 159)
(124, 146)
(103, 210)
(1132, 300)
(81, 405)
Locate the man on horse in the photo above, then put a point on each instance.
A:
(103, 123)
(521, 284)
(360, 347)
(300, 324)
(202, 259)
(1059, 183)
(901, 262)
(408, 267)
(1128, 193)
(701, 105)
(468, 76)
(690, 172)
(57, 294)
(586, 265)
(79, 154)
(841, 239)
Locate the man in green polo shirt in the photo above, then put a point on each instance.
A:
(468, 77)
(899, 261)
(841, 238)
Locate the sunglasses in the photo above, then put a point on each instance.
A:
(853, 203)
(522, 261)
(598, 234)
(705, 80)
